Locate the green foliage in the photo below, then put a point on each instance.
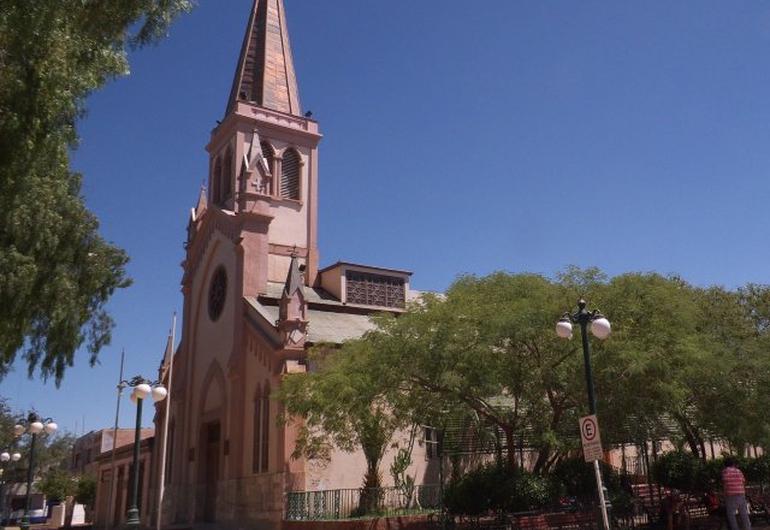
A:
(693, 358)
(496, 488)
(341, 404)
(401, 478)
(679, 470)
(85, 492)
(577, 478)
(58, 484)
(54, 452)
(56, 272)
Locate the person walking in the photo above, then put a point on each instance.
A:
(734, 485)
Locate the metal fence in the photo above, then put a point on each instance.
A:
(361, 502)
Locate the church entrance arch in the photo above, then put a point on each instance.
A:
(210, 442)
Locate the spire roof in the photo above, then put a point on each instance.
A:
(265, 74)
(293, 278)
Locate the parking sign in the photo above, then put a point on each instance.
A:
(591, 439)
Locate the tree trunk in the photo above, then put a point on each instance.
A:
(510, 446)
(689, 434)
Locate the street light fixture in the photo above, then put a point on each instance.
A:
(142, 389)
(35, 425)
(5, 457)
(601, 329)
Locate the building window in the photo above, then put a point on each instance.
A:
(260, 450)
(169, 452)
(257, 439)
(265, 444)
(217, 293)
(374, 289)
(268, 153)
(431, 442)
(290, 168)
(227, 175)
(216, 194)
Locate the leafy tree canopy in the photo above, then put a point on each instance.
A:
(56, 271)
(683, 362)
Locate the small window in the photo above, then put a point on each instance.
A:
(290, 175)
(216, 177)
(431, 442)
(227, 175)
(265, 444)
(257, 430)
(268, 153)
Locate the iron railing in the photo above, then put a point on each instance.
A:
(361, 502)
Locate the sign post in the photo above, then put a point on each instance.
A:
(592, 452)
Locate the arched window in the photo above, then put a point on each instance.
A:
(260, 449)
(265, 445)
(268, 153)
(290, 175)
(216, 178)
(227, 175)
(257, 438)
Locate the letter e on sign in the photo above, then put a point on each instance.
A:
(589, 436)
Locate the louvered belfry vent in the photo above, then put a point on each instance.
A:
(267, 151)
(290, 175)
(374, 289)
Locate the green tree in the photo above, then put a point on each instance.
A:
(338, 403)
(56, 272)
(58, 484)
(85, 492)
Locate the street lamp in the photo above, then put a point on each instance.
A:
(142, 388)
(600, 328)
(5, 457)
(35, 425)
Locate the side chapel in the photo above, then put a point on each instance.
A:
(255, 300)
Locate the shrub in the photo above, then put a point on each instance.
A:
(577, 478)
(496, 488)
(758, 470)
(679, 470)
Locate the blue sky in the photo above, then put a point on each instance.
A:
(459, 137)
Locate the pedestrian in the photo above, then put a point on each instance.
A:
(734, 485)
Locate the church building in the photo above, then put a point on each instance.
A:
(255, 299)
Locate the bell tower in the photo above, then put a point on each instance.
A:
(263, 157)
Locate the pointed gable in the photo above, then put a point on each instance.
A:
(265, 73)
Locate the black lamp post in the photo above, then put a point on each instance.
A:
(35, 425)
(600, 328)
(5, 457)
(142, 388)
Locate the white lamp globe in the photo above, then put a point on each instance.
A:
(601, 328)
(18, 430)
(5, 457)
(142, 390)
(16, 457)
(159, 393)
(51, 427)
(564, 329)
(36, 427)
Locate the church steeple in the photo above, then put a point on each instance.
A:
(263, 161)
(265, 73)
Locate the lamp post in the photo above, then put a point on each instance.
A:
(5, 457)
(142, 388)
(600, 328)
(35, 425)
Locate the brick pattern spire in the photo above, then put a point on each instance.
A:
(265, 74)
